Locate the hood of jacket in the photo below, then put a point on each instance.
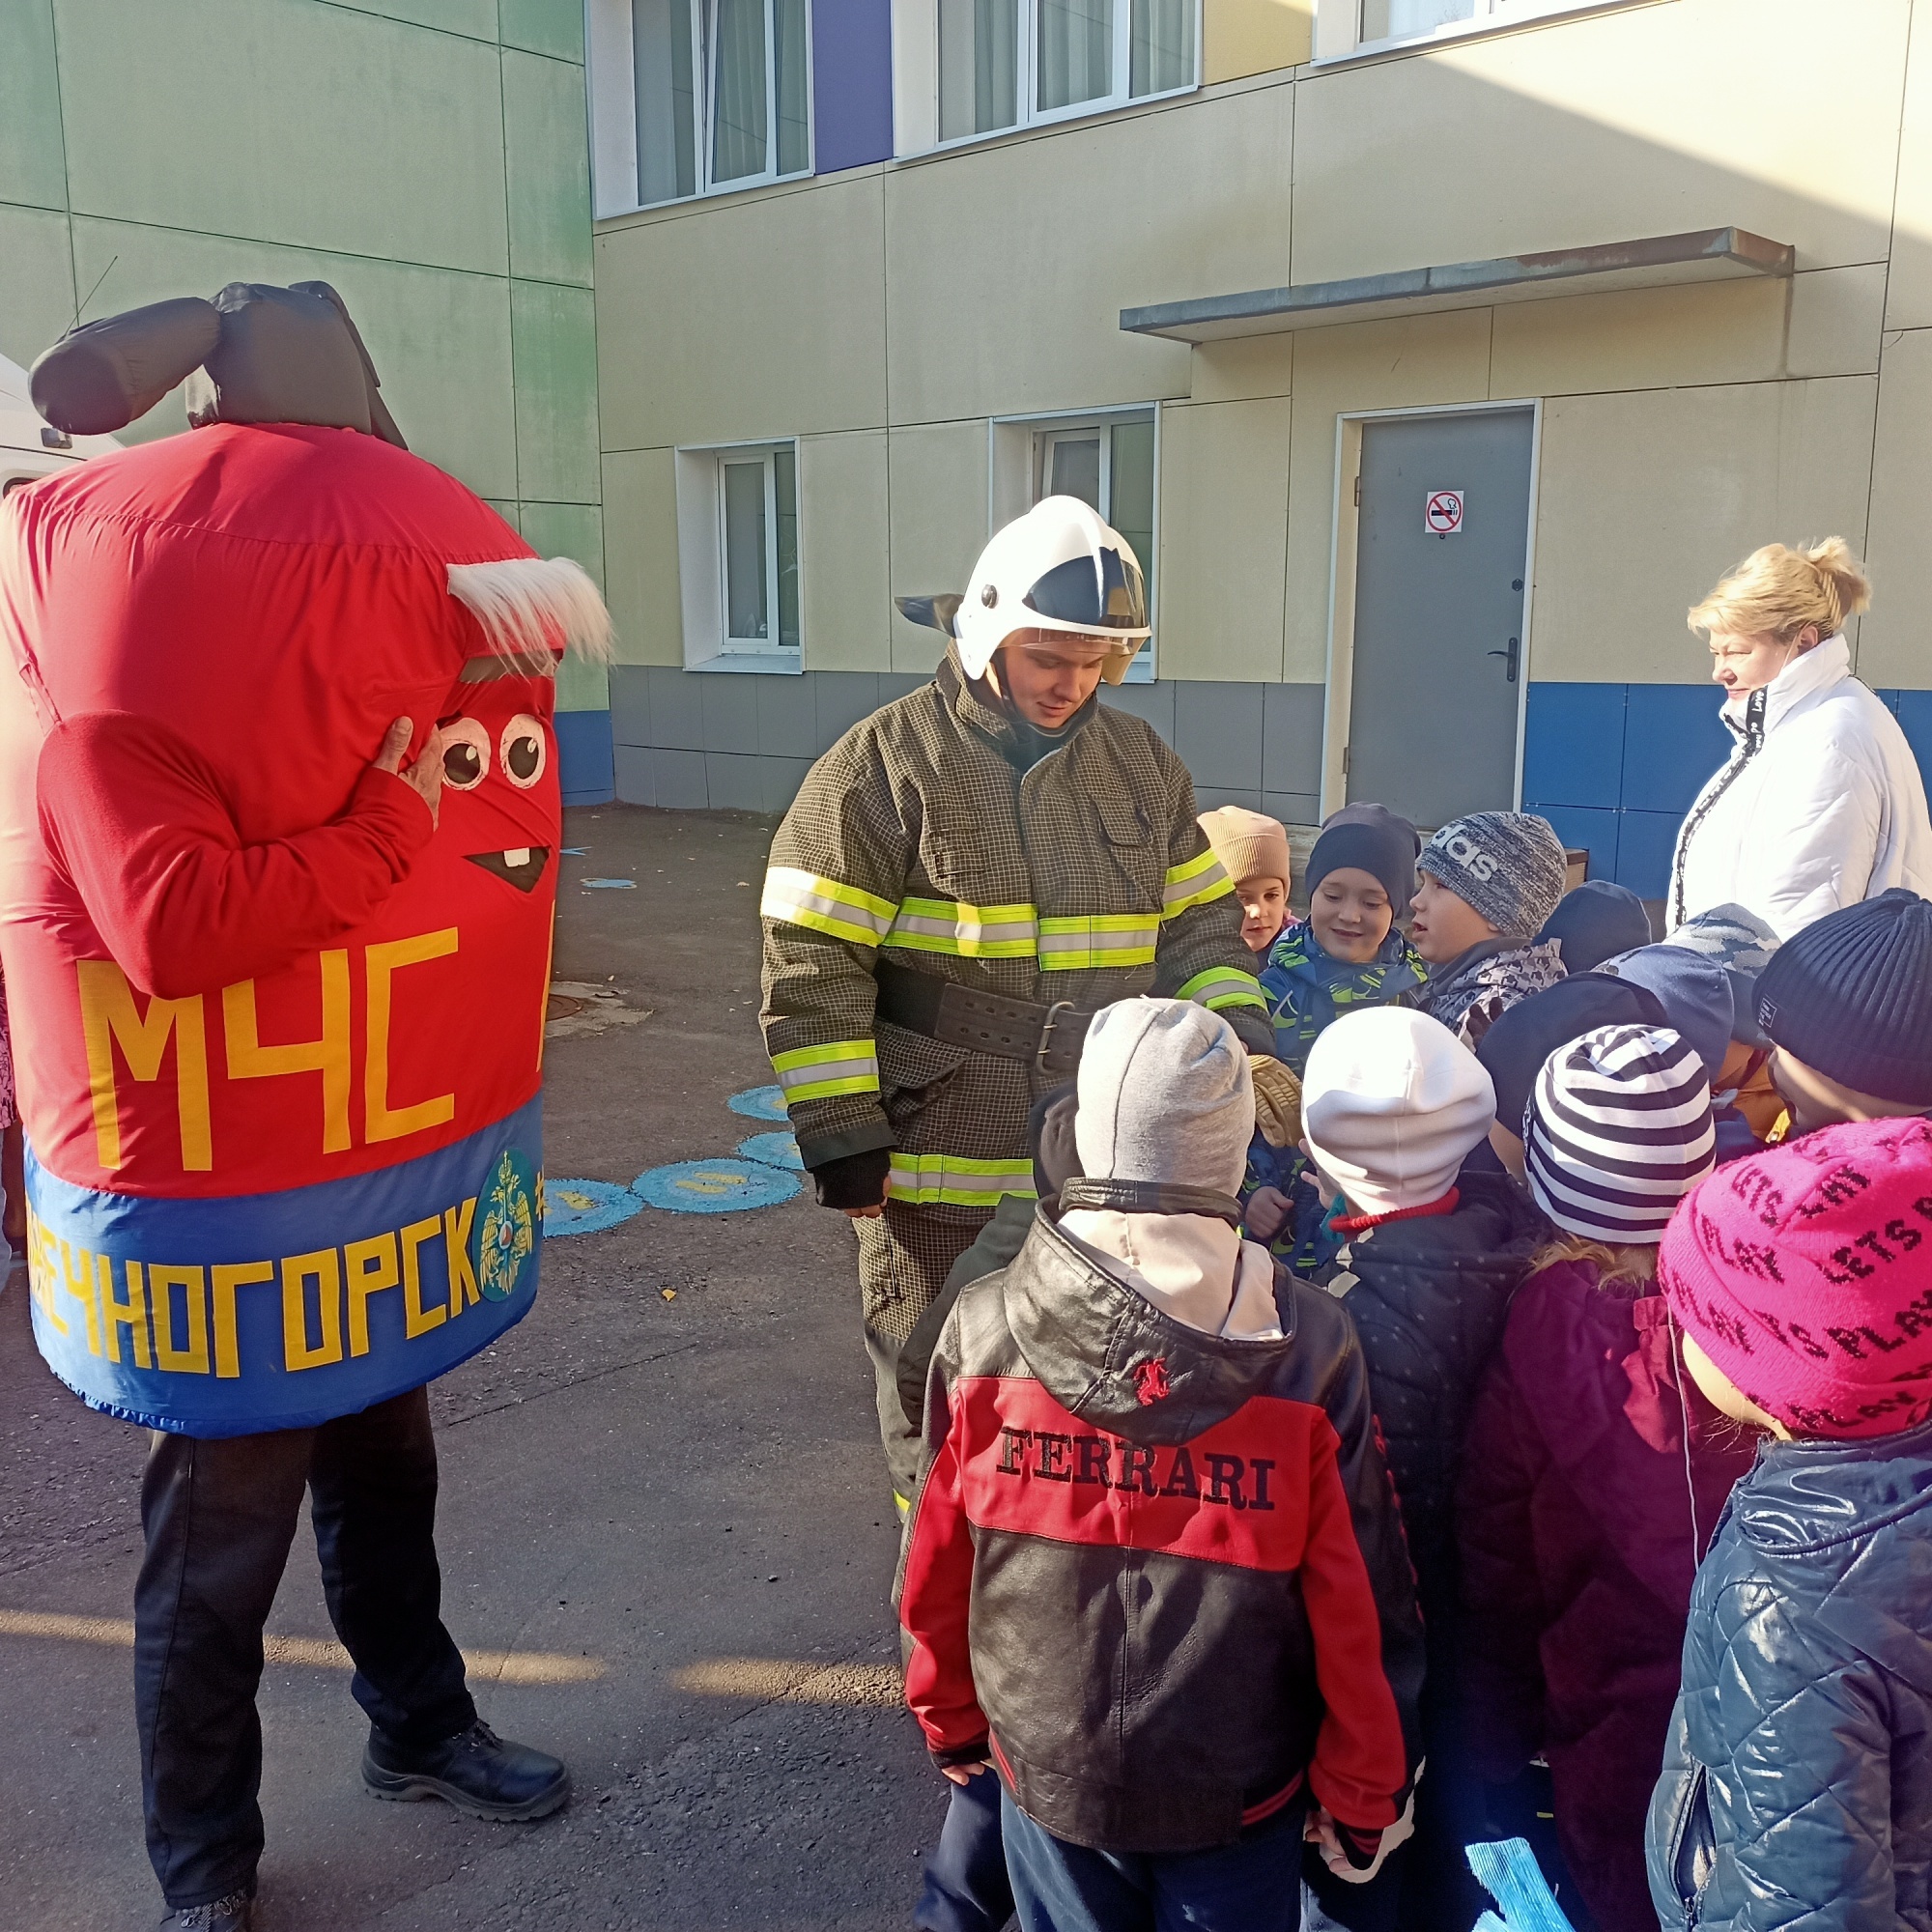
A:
(1110, 1358)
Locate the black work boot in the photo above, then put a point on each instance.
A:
(233, 1913)
(476, 1771)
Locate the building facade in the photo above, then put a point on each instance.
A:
(872, 274)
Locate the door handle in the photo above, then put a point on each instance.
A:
(1513, 654)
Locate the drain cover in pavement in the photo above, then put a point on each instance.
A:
(774, 1150)
(724, 1186)
(759, 1103)
(586, 1206)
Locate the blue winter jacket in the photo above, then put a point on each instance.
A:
(1797, 1786)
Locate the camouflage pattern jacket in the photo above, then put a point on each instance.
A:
(917, 839)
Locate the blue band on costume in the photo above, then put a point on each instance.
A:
(232, 1315)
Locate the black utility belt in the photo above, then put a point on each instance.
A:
(1049, 1037)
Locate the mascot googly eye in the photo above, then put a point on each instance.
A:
(466, 754)
(525, 751)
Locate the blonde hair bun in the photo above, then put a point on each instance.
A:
(1778, 590)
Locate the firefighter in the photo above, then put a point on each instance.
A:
(963, 880)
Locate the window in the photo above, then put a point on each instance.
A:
(690, 97)
(971, 67)
(1107, 461)
(737, 514)
(1345, 27)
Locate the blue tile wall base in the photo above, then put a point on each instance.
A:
(584, 763)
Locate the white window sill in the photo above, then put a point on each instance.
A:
(750, 184)
(1058, 116)
(772, 662)
(1455, 31)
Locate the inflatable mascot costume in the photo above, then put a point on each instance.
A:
(277, 875)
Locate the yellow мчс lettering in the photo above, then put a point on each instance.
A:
(372, 1267)
(227, 1277)
(416, 1318)
(324, 1268)
(40, 1269)
(80, 1281)
(107, 1020)
(130, 1312)
(456, 1225)
(249, 1060)
(382, 1121)
(162, 1280)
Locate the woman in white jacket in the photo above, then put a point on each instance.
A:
(1822, 803)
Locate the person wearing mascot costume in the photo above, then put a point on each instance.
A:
(278, 880)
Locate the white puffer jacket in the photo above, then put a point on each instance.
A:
(1821, 806)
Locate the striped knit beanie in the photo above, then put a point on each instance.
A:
(1619, 1131)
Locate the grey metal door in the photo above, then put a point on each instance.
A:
(1438, 656)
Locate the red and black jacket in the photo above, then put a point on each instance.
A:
(1160, 1576)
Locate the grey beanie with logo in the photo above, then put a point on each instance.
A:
(1165, 1095)
(1509, 865)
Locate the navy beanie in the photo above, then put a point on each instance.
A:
(1518, 1044)
(1594, 920)
(1373, 839)
(1851, 996)
(1695, 994)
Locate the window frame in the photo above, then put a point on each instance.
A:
(916, 89)
(611, 59)
(1338, 25)
(704, 559)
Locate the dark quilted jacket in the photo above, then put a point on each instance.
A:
(1797, 1786)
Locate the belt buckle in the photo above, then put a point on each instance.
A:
(1048, 1028)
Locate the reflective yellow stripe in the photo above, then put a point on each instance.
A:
(966, 932)
(1202, 879)
(1104, 939)
(1224, 987)
(918, 1179)
(817, 1072)
(826, 906)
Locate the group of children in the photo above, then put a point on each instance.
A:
(1635, 1246)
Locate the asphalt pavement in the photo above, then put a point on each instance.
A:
(666, 1533)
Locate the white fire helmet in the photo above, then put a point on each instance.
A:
(1057, 568)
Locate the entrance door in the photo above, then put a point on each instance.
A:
(1438, 655)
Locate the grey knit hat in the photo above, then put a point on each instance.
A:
(1165, 1095)
(1507, 864)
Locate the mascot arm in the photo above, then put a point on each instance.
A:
(136, 819)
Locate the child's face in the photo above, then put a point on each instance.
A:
(1725, 1395)
(1510, 1151)
(1350, 915)
(1263, 909)
(1444, 926)
(1816, 1101)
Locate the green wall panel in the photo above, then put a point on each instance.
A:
(543, 26)
(555, 330)
(31, 167)
(547, 147)
(566, 529)
(475, 19)
(327, 129)
(36, 281)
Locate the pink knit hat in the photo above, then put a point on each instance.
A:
(1805, 1276)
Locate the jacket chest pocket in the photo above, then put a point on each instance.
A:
(1134, 861)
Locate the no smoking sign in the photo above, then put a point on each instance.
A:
(1442, 513)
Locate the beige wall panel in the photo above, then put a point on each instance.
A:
(1241, 366)
(1642, 121)
(751, 318)
(1909, 293)
(1646, 500)
(1894, 646)
(299, 131)
(1402, 365)
(1823, 323)
(1243, 36)
(37, 284)
(1011, 263)
(641, 583)
(845, 574)
(938, 479)
(1223, 528)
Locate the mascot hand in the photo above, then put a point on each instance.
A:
(425, 775)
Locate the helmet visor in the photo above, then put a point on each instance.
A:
(1102, 592)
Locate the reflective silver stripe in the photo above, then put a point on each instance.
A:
(826, 906)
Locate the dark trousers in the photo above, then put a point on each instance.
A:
(219, 1517)
(967, 1889)
(1251, 1886)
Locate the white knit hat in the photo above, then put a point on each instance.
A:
(1390, 1103)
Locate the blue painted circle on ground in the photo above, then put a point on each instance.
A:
(759, 1103)
(727, 1186)
(586, 1206)
(777, 1149)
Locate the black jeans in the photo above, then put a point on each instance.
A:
(219, 1517)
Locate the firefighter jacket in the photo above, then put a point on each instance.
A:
(1157, 1575)
(917, 839)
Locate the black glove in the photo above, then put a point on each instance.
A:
(853, 1180)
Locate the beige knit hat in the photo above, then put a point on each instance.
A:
(1249, 844)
